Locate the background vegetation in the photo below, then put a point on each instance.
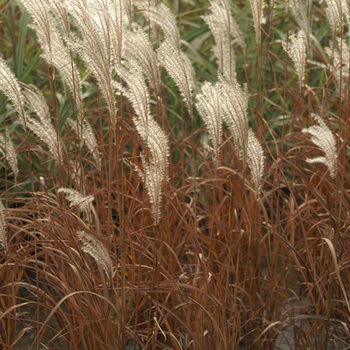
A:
(221, 266)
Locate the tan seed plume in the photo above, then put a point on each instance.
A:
(180, 69)
(296, 50)
(255, 161)
(42, 127)
(223, 27)
(208, 105)
(3, 228)
(98, 251)
(10, 87)
(7, 148)
(323, 138)
(257, 10)
(76, 199)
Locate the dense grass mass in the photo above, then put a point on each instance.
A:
(174, 174)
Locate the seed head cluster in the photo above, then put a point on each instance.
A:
(323, 138)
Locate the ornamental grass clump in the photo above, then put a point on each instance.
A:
(153, 189)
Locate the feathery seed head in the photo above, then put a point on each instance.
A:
(223, 27)
(234, 106)
(155, 140)
(55, 52)
(340, 59)
(323, 138)
(180, 69)
(154, 172)
(139, 48)
(209, 108)
(98, 251)
(255, 161)
(300, 15)
(153, 176)
(222, 24)
(35, 100)
(85, 131)
(335, 11)
(47, 134)
(3, 228)
(162, 16)
(257, 10)
(59, 9)
(137, 94)
(10, 87)
(42, 128)
(296, 49)
(75, 198)
(7, 148)
(96, 46)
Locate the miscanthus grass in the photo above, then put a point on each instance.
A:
(172, 176)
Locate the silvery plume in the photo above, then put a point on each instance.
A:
(323, 138)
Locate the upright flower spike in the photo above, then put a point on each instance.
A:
(223, 27)
(42, 128)
(10, 87)
(96, 46)
(300, 15)
(162, 16)
(139, 49)
(59, 9)
(169, 54)
(137, 92)
(180, 69)
(55, 52)
(257, 10)
(209, 108)
(7, 148)
(155, 169)
(323, 138)
(340, 60)
(3, 228)
(335, 11)
(255, 160)
(234, 104)
(155, 172)
(296, 49)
